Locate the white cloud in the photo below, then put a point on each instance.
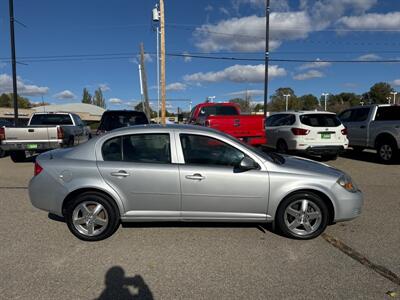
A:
(309, 75)
(325, 12)
(104, 87)
(186, 58)
(176, 86)
(115, 101)
(369, 56)
(224, 11)
(237, 73)
(24, 89)
(375, 21)
(316, 64)
(396, 82)
(248, 33)
(248, 92)
(66, 94)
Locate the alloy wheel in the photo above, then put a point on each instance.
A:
(303, 217)
(90, 218)
(386, 152)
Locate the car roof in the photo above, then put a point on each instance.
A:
(301, 112)
(151, 127)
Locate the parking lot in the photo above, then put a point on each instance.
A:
(40, 259)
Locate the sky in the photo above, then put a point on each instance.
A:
(69, 45)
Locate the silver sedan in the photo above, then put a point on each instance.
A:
(187, 173)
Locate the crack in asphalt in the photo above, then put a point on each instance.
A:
(13, 187)
(362, 259)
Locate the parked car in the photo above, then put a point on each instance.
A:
(187, 173)
(374, 127)
(45, 131)
(3, 123)
(311, 132)
(226, 117)
(113, 119)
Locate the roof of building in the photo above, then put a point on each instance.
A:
(90, 109)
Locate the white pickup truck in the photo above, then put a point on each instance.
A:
(374, 127)
(45, 131)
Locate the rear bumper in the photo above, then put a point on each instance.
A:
(30, 146)
(324, 150)
(254, 140)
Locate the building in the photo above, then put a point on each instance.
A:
(88, 112)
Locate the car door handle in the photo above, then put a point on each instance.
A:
(362, 126)
(120, 173)
(196, 176)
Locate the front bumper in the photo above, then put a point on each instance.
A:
(348, 205)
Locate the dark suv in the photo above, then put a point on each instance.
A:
(113, 119)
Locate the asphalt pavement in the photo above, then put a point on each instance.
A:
(40, 259)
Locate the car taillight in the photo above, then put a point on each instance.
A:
(60, 133)
(2, 133)
(344, 131)
(300, 131)
(37, 169)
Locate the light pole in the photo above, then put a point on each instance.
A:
(266, 60)
(287, 100)
(326, 98)
(394, 97)
(156, 20)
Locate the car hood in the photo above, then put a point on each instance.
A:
(299, 165)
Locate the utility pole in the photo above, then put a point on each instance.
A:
(146, 107)
(266, 56)
(326, 98)
(162, 61)
(13, 62)
(394, 97)
(287, 101)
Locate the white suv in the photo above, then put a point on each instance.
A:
(312, 132)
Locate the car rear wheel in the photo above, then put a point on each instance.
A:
(92, 217)
(281, 147)
(386, 151)
(302, 216)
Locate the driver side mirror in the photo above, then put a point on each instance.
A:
(246, 164)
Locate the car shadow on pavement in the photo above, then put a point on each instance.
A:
(366, 156)
(118, 286)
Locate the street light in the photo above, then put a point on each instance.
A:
(156, 20)
(287, 100)
(326, 98)
(394, 97)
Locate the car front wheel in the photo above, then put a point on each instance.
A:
(302, 216)
(92, 217)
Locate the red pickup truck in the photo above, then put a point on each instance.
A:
(226, 117)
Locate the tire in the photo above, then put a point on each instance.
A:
(329, 157)
(85, 223)
(281, 147)
(310, 225)
(18, 156)
(71, 142)
(386, 151)
(2, 153)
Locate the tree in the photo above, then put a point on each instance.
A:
(6, 100)
(258, 108)
(98, 98)
(278, 101)
(86, 97)
(244, 104)
(379, 92)
(308, 102)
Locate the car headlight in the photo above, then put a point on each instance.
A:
(347, 183)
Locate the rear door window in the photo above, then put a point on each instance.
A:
(139, 148)
(320, 120)
(388, 113)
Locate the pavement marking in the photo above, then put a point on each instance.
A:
(362, 259)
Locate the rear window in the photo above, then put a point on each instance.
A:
(50, 119)
(320, 120)
(218, 111)
(118, 119)
(388, 113)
